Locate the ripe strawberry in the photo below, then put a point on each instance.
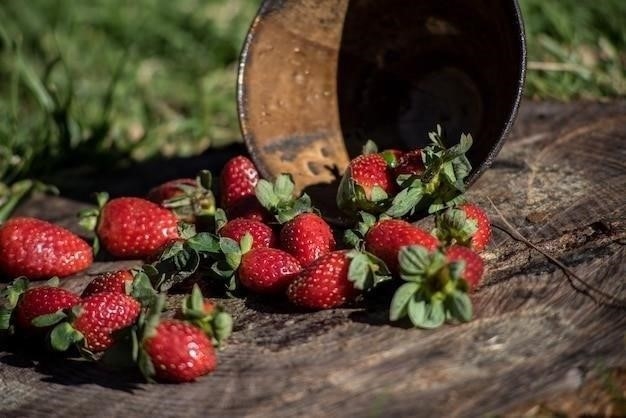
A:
(39, 301)
(38, 249)
(474, 265)
(98, 316)
(262, 235)
(191, 200)
(466, 225)
(179, 352)
(410, 163)
(366, 185)
(130, 227)
(237, 182)
(111, 281)
(267, 270)
(307, 237)
(387, 237)
(482, 236)
(324, 283)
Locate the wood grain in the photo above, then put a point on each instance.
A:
(560, 180)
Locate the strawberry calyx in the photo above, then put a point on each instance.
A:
(434, 292)
(230, 255)
(90, 218)
(442, 182)
(452, 226)
(352, 197)
(194, 203)
(366, 271)
(279, 198)
(212, 319)
(355, 237)
(11, 295)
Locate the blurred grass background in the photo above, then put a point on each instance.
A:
(96, 85)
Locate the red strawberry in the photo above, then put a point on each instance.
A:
(191, 200)
(100, 315)
(387, 237)
(324, 283)
(482, 236)
(267, 270)
(262, 235)
(307, 237)
(237, 182)
(111, 281)
(410, 163)
(179, 352)
(39, 301)
(130, 227)
(366, 185)
(38, 250)
(474, 265)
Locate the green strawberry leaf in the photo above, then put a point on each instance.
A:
(145, 365)
(416, 309)
(414, 262)
(434, 316)
(370, 147)
(53, 282)
(400, 300)
(47, 320)
(13, 292)
(205, 179)
(378, 194)
(5, 319)
(459, 306)
(205, 242)
(245, 244)
(405, 201)
(141, 288)
(222, 327)
(186, 230)
(359, 271)
(284, 187)
(63, 336)
(220, 219)
(264, 191)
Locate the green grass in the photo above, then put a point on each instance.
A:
(95, 85)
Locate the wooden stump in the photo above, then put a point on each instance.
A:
(538, 331)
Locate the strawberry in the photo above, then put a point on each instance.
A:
(237, 182)
(262, 235)
(304, 234)
(112, 281)
(26, 304)
(177, 352)
(38, 249)
(191, 200)
(324, 283)
(410, 164)
(267, 270)
(130, 227)
(307, 237)
(210, 317)
(388, 236)
(466, 225)
(366, 185)
(435, 288)
(93, 321)
(474, 265)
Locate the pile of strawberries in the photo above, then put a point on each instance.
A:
(264, 239)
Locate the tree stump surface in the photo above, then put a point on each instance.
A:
(560, 180)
